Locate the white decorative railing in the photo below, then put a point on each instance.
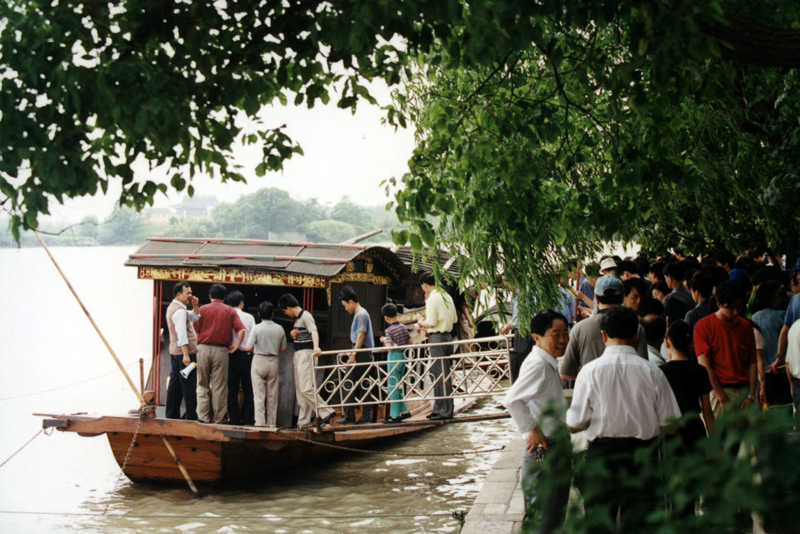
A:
(478, 366)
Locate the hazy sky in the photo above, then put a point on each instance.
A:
(345, 155)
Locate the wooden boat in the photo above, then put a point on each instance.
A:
(223, 453)
(263, 270)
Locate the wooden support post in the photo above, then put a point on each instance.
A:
(141, 375)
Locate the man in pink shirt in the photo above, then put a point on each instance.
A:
(214, 336)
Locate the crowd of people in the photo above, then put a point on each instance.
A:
(652, 341)
(231, 353)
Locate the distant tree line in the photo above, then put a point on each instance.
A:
(251, 216)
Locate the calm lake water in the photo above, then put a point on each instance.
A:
(54, 362)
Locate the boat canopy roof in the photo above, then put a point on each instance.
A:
(324, 260)
(406, 255)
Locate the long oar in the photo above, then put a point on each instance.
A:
(119, 363)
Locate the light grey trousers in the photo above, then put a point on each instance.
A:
(304, 388)
(264, 375)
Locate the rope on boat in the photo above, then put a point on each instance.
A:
(386, 453)
(47, 432)
(142, 416)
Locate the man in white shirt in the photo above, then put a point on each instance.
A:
(239, 368)
(793, 363)
(440, 316)
(537, 392)
(623, 402)
(182, 351)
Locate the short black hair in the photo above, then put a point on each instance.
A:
(655, 327)
(676, 270)
(678, 251)
(543, 321)
(680, 335)
(657, 268)
(609, 300)
(702, 283)
(427, 278)
(628, 266)
(660, 286)
(691, 262)
(218, 292)
(347, 293)
(634, 283)
(766, 294)
(767, 273)
(234, 298)
(650, 305)
(389, 310)
(266, 310)
(718, 274)
(725, 257)
(619, 322)
(177, 289)
(729, 292)
(288, 301)
(643, 264)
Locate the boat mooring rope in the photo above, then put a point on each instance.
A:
(142, 416)
(386, 453)
(47, 432)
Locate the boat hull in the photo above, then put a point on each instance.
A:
(216, 462)
(216, 454)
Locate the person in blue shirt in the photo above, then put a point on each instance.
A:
(792, 315)
(358, 376)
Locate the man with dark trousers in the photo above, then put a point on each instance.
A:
(182, 351)
(440, 316)
(358, 376)
(239, 364)
(215, 344)
(622, 401)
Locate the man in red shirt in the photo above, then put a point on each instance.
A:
(214, 332)
(725, 345)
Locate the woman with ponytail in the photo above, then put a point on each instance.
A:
(690, 383)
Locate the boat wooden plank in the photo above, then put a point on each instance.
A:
(167, 427)
(150, 459)
(147, 449)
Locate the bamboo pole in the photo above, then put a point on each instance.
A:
(119, 363)
(180, 465)
(91, 320)
(141, 375)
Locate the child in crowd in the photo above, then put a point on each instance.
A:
(396, 335)
(690, 383)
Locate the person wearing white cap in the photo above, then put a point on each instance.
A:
(586, 338)
(608, 266)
